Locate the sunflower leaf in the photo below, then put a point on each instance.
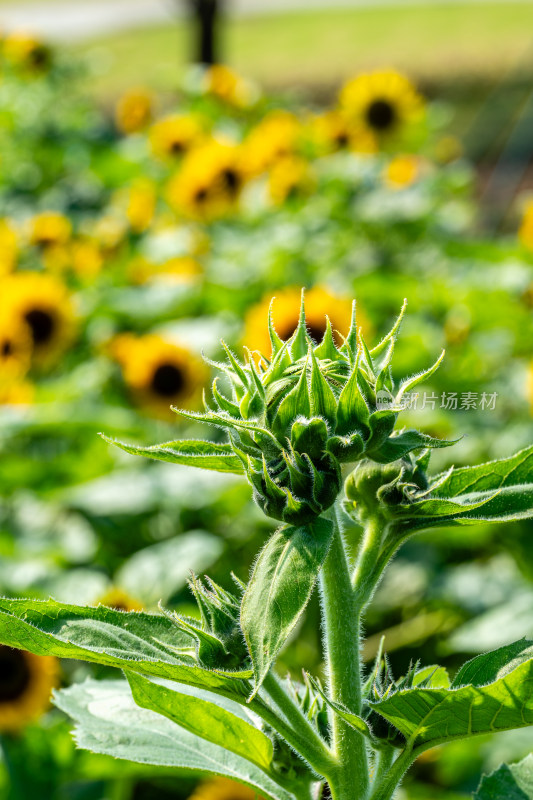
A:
(136, 641)
(190, 452)
(490, 693)
(108, 721)
(508, 782)
(204, 718)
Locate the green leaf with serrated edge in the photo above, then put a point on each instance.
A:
(497, 698)
(205, 719)
(279, 589)
(410, 383)
(323, 402)
(147, 643)
(508, 782)
(517, 469)
(354, 720)
(399, 446)
(352, 411)
(191, 453)
(108, 721)
(504, 505)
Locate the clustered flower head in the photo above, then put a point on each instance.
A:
(295, 419)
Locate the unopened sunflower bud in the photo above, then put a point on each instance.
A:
(292, 421)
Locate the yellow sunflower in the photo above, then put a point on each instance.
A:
(117, 598)
(276, 136)
(15, 347)
(401, 171)
(381, 101)
(133, 111)
(43, 304)
(224, 789)
(26, 682)
(8, 247)
(332, 131)
(289, 178)
(227, 85)
(175, 135)
(50, 229)
(25, 52)
(319, 302)
(525, 233)
(210, 181)
(160, 373)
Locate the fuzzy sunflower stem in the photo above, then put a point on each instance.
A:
(341, 621)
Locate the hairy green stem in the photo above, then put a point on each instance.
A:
(341, 620)
(366, 576)
(305, 738)
(382, 764)
(391, 780)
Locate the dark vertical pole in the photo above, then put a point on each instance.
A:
(206, 16)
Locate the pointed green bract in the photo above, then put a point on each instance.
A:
(279, 589)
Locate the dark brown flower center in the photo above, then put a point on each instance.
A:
(315, 330)
(201, 195)
(41, 324)
(381, 115)
(7, 348)
(15, 674)
(40, 56)
(231, 180)
(176, 147)
(168, 380)
(342, 139)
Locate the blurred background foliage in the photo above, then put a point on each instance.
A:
(149, 208)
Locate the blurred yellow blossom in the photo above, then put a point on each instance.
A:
(401, 171)
(159, 372)
(382, 101)
(209, 182)
(133, 111)
(26, 696)
(319, 302)
(174, 135)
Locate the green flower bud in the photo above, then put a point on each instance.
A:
(218, 636)
(376, 488)
(293, 420)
